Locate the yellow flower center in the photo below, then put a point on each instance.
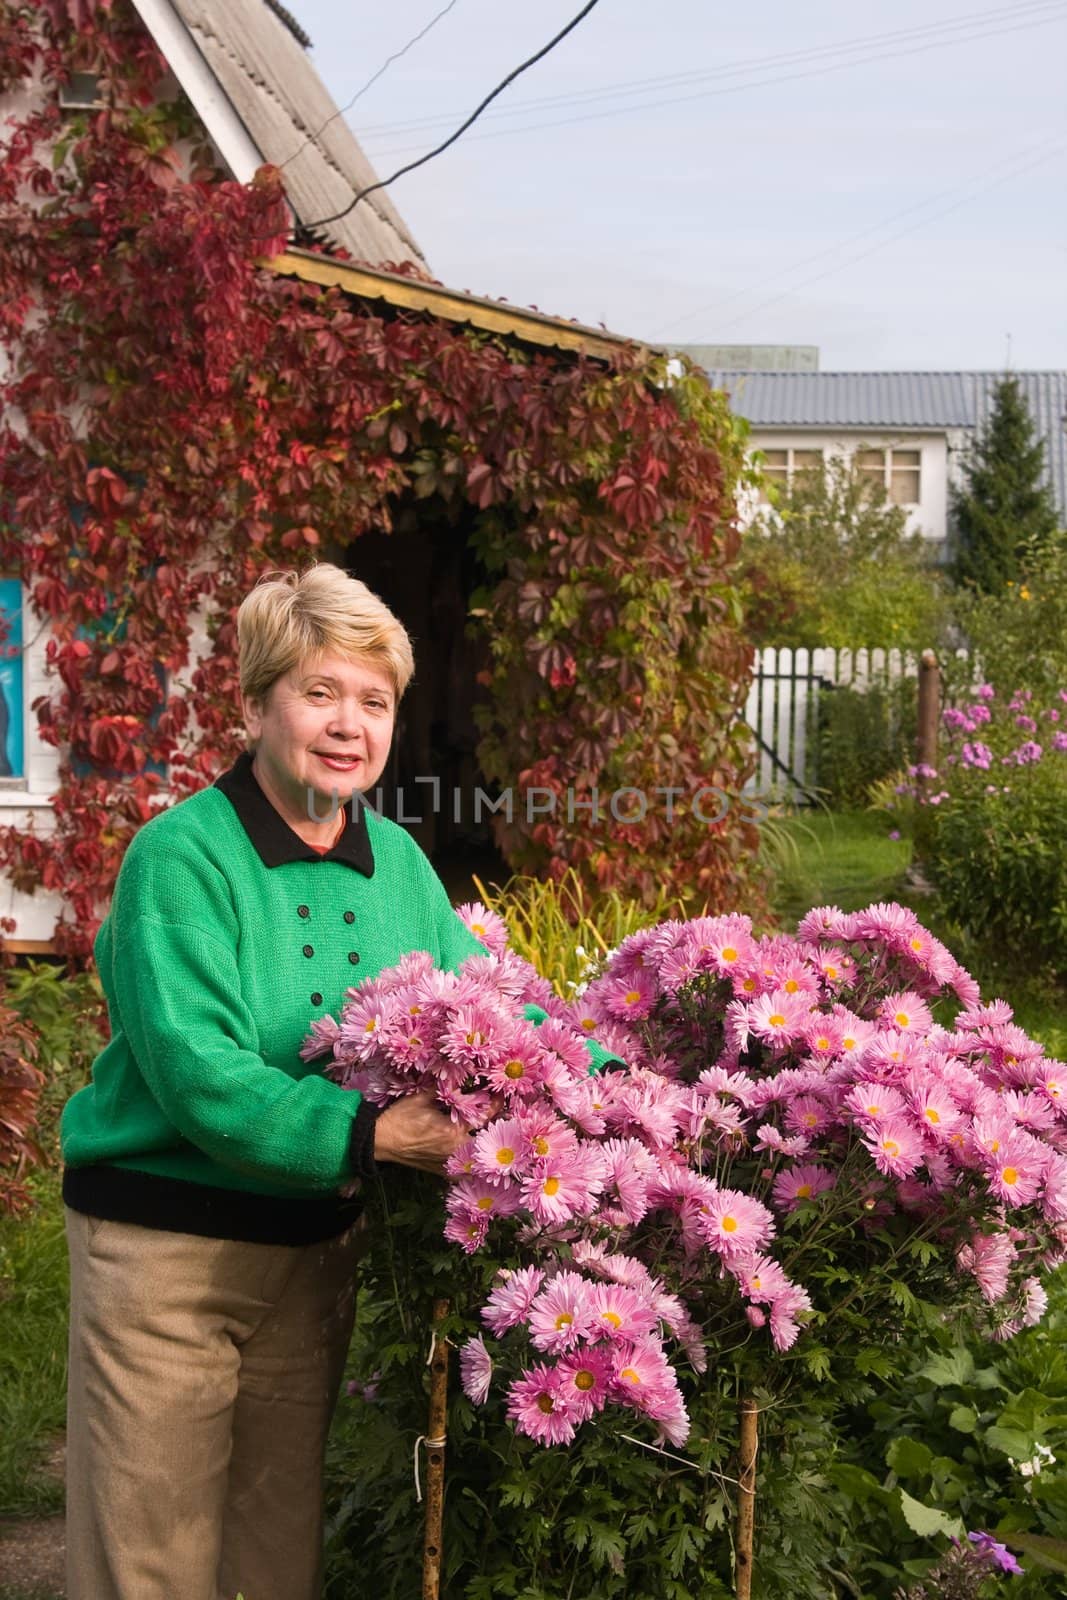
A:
(873, 1110)
(612, 1317)
(729, 954)
(505, 1155)
(584, 1380)
(546, 1404)
(932, 1115)
(564, 1320)
(831, 972)
(901, 1019)
(540, 1146)
(891, 1147)
(1009, 1175)
(748, 985)
(550, 1186)
(632, 996)
(822, 1044)
(414, 1011)
(848, 1044)
(513, 1069)
(757, 1283)
(916, 944)
(809, 1119)
(370, 1025)
(804, 1191)
(485, 1203)
(476, 928)
(628, 1372)
(729, 1224)
(791, 986)
(476, 1037)
(776, 1020)
(588, 1023)
(1053, 1088)
(994, 1146)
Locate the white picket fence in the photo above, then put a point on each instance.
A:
(783, 706)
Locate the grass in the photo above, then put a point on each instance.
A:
(33, 1352)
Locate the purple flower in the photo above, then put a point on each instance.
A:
(998, 1553)
(1026, 722)
(1059, 741)
(1027, 754)
(977, 755)
(986, 691)
(894, 833)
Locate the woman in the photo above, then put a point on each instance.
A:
(209, 1173)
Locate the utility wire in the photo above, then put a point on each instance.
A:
(944, 212)
(713, 307)
(312, 138)
(730, 69)
(762, 83)
(475, 114)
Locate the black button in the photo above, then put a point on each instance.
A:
(303, 911)
(353, 956)
(309, 950)
(350, 916)
(316, 998)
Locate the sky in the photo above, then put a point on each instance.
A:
(887, 182)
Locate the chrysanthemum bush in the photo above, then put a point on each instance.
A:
(801, 1140)
(992, 824)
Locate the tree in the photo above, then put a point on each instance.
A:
(1004, 515)
(832, 563)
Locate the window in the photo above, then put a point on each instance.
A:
(12, 741)
(898, 473)
(781, 468)
(81, 92)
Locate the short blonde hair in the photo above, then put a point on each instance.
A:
(290, 616)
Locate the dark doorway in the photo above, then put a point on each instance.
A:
(426, 572)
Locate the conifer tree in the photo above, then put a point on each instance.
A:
(1004, 516)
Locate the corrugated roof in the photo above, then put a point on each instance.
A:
(881, 400)
(275, 90)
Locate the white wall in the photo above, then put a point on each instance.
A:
(929, 518)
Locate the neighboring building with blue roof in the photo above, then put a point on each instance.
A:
(910, 430)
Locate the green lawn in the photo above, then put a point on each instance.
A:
(33, 1352)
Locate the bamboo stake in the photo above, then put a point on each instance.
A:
(929, 711)
(436, 1435)
(746, 1499)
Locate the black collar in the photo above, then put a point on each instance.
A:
(275, 841)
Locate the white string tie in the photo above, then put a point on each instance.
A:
(431, 1444)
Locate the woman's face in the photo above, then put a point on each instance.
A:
(326, 726)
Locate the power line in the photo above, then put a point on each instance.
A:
(730, 69)
(475, 114)
(903, 232)
(712, 307)
(790, 77)
(312, 138)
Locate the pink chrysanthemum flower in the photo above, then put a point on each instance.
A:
(622, 1313)
(824, 923)
(808, 1114)
(468, 1229)
(768, 1137)
(823, 1037)
(563, 1313)
(629, 997)
(629, 1169)
(321, 1040)
(648, 1106)
(890, 1054)
(1015, 1175)
(545, 1137)
(786, 1310)
(362, 1021)
(558, 1190)
(584, 1380)
(856, 1031)
(475, 1370)
(485, 925)
(779, 1017)
(874, 1101)
(801, 1183)
(989, 1256)
(887, 921)
(474, 1194)
(500, 1150)
(510, 1300)
(472, 1035)
(642, 1378)
(760, 1278)
(517, 1066)
(934, 1107)
(895, 1145)
(540, 1408)
(907, 1012)
(1035, 1302)
(735, 1224)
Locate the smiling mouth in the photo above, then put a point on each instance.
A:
(339, 763)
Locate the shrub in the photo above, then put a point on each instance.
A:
(20, 1090)
(863, 736)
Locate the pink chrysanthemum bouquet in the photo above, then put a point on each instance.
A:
(795, 1140)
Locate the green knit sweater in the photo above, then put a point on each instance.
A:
(213, 961)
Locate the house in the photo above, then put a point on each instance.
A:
(911, 431)
(244, 68)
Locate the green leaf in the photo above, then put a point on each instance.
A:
(963, 1418)
(908, 1457)
(856, 1482)
(949, 1367)
(1012, 1442)
(1050, 1554)
(927, 1521)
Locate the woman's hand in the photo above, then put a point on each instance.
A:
(414, 1132)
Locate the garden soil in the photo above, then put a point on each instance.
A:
(33, 1549)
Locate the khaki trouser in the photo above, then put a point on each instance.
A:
(203, 1375)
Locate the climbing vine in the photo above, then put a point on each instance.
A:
(176, 418)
